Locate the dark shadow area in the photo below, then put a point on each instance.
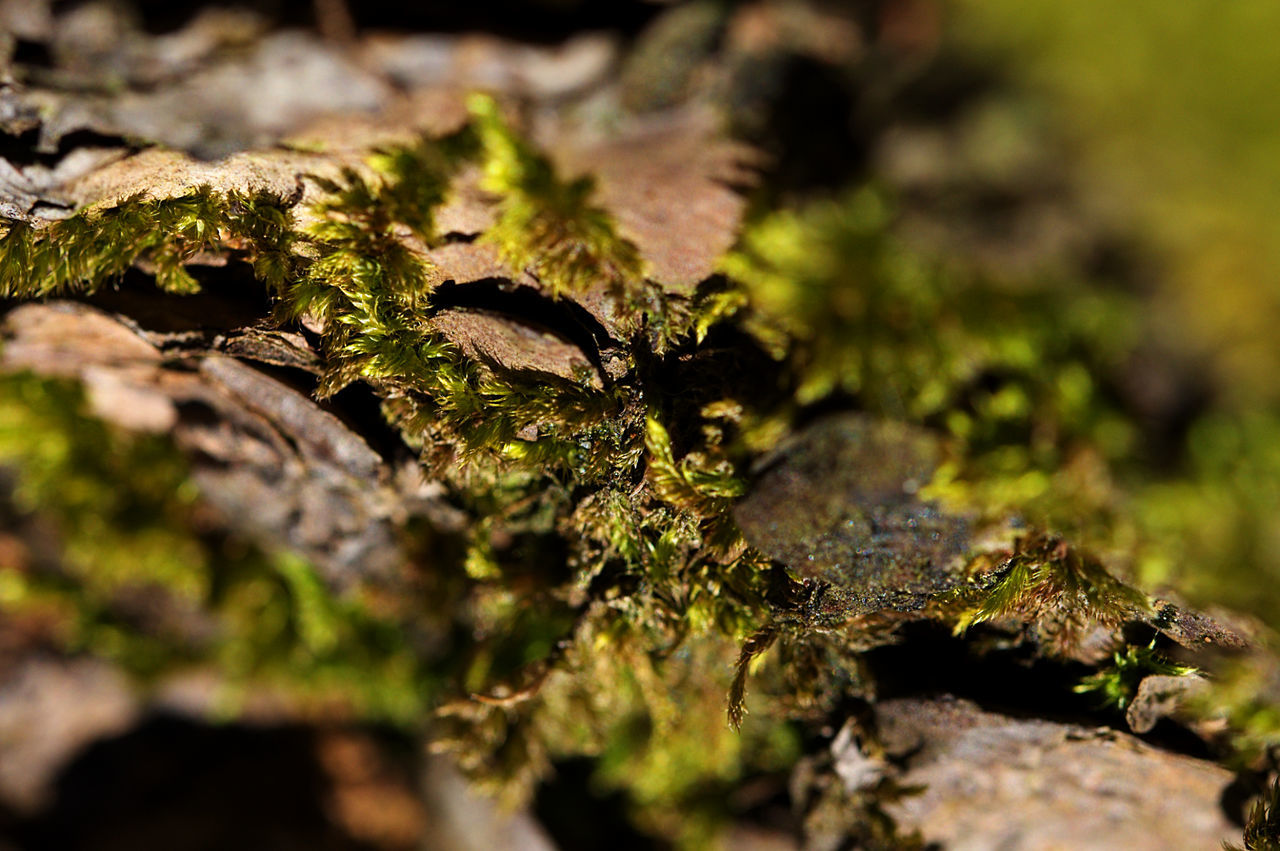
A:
(779, 100)
(229, 298)
(538, 20)
(26, 148)
(176, 785)
(929, 660)
(1004, 677)
(562, 317)
(579, 817)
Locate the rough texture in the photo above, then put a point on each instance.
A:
(992, 781)
(318, 263)
(670, 185)
(514, 344)
(271, 460)
(838, 504)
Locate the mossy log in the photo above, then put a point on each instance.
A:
(533, 404)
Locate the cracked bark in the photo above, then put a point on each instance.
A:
(333, 483)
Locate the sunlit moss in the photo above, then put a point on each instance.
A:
(605, 590)
(1047, 582)
(854, 310)
(547, 225)
(97, 246)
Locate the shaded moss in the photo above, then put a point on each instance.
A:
(1262, 830)
(1117, 684)
(130, 531)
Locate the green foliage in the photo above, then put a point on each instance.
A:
(547, 226)
(70, 467)
(857, 311)
(1009, 372)
(1045, 581)
(827, 287)
(651, 719)
(602, 574)
(696, 483)
(371, 292)
(414, 179)
(97, 246)
(1118, 684)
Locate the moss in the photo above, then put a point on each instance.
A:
(603, 575)
(1243, 698)
(96, 246)
(1262, 830)
(700, 483)
(549, 226)
(68, 467)
(1009, 373)
(1210, 532)
(1117, 684)
(130, 530)
(655, 730)
(372, 292)
(1062, 590)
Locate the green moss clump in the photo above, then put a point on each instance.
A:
(371, 290)
(547, 226)
(602, 575)
(853, 311)
(1064, 591)
(68, 467)
(1009, 373)
(96, 246)
(1117, 684)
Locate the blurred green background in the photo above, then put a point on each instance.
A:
(1173, 111)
